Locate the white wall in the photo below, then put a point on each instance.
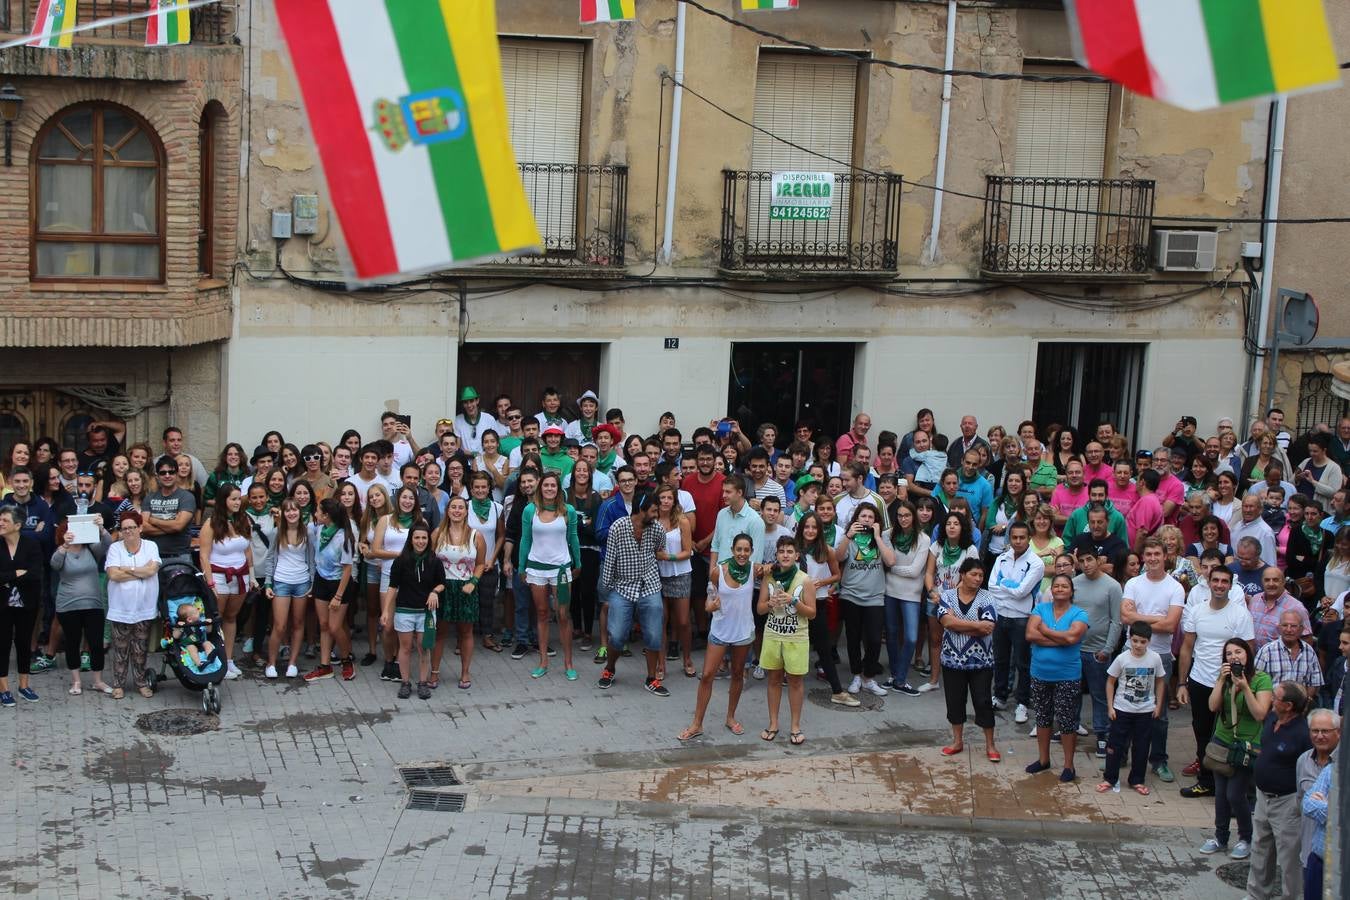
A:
(644, 380)
(1192, 378)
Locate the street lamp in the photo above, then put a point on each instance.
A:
(10, 104)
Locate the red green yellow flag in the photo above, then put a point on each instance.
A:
(53, 17)
(169, 24)
(768, 4)
(593, 11)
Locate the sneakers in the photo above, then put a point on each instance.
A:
(292, 671)
(853, 686)
(333, 658)
(404, 690)
(552, 652)
(270, 672)
(921, 668)
(586, 644)
(1020, 714)
(1101, 749)
(232, 671)
(1082, 730)
(1165, 774)
(348, 669)
(248, 645)
(519, 651)
(654, 686)
(312, 651)
(84, 661)
(928, 686)
(539, 672)
(1192, 770)
(844, 698)
(758, 672)
(390, 672)
(31, 696)
(601, 656)
(876, 690)
(1241, 850)
(999, 704)
(369, 659)
(7, 699)
(423, 691)
(907, 690)
(318, 673)
(42, 662)
(606, 680)
(1212, 846)
(1197, 791)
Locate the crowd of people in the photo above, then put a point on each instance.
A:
(1015, 569)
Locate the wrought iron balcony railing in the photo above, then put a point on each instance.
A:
(1093, 226)
(860, 236)
(581, 211)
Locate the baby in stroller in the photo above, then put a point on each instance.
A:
(193, 641)
(193, 647)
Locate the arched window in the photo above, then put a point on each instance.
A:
(98, 197)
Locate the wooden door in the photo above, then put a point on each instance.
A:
(43, 412)
(523, 370)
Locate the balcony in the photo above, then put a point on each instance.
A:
(212, 24)
(1108, 239)
(860, 238)
(581, 211)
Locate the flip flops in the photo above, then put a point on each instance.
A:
(797, 739)
(768, 734)
(688, 735)
(735, 728)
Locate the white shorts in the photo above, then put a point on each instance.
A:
(224, 585)
(548, 579)
(410, 622)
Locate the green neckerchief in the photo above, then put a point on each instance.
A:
(950, 553)
(326, 534)
(552, 420)
(1009, 504)
(737, 571)
(588, 426)
(784, 579)
(1314, 534)
(275, 499)
(481, 508)
(606, 462)
(942, 498)
(831, 531)
(404, 520)
(867, 548)
(903, 540)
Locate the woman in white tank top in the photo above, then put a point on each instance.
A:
(731, 595)
(674, 562)
(227, 559)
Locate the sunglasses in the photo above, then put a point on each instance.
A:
(311, 456)
(510, 418)
(168, 472)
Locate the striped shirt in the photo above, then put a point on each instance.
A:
(1276, 661)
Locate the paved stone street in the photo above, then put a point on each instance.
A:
(568, 791)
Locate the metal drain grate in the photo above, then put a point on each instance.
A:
(429, 776)
(436, 801)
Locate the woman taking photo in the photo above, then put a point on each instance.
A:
(731, 600)
(945, 560)
(80, 606)
(485, 518)
(334, 545)
(462, 552)
(862, 558)
(133, 598)
(550, 560)
(21, 584)
(415, 587)
(673, 561)
(585, 499)
(369, 566)
(231, 468)
(967, 615)
(1054, 630)
(491, 462)
(391, 536)
(289, 576)
(816, 555)
(787, 599)
(1240, 701)
(904, 593)
(227, 555)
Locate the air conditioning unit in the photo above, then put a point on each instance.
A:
(1185, 251)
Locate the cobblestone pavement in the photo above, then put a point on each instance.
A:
(569, 791)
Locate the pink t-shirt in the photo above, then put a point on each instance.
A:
(1065, 499)
(1145, 515)
(1102, 471)
(1122, 498)
(843, 448)
(1171, 488)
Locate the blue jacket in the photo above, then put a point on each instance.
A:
(611, 511)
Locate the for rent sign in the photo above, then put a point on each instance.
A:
(802, 195)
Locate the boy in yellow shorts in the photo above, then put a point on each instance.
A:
(788, 597)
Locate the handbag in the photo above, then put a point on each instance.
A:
(1216, 758)
(1225, 759)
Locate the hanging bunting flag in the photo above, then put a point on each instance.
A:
(169, 24)
(1199, 54)
(593, 11)
(53, 17)
(768, 4)
(405, 102)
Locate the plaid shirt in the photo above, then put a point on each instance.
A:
(1266, 618)
(1275, 661)
(630, 564)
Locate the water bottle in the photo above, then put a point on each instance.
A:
(82, 504)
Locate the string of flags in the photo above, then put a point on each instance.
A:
(168, 23)
(596, 11)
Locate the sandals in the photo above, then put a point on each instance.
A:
(490, 644)
(147, 693)
(465, 685)
(689, 734)
(117, 693)
(1141, 789)
(768, 734)
(953, 750)
(736, 728)
(75, 691)
(435, 680)
(103, 688)
(993, 756)
(796, 739)
(690, 672)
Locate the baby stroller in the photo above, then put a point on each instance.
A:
(181, 583)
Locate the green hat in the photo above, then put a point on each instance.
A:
(805, 481)
(468, 394)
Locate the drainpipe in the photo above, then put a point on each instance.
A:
(673, 162)
(931, 254)
(1270, 210)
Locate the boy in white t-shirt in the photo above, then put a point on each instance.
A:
(1135, 693)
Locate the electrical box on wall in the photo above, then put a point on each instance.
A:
(281, 224)
(305, 209)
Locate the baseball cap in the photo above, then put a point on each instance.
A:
(553, 429)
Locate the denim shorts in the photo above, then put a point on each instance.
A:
(649, 611)
(282, 589)
(718, 642)
(410, 622)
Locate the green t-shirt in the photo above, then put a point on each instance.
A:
(1248, 728)
(507, 444)
(559, 462)
(1045, 477)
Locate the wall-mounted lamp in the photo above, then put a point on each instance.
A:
(10, 104)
